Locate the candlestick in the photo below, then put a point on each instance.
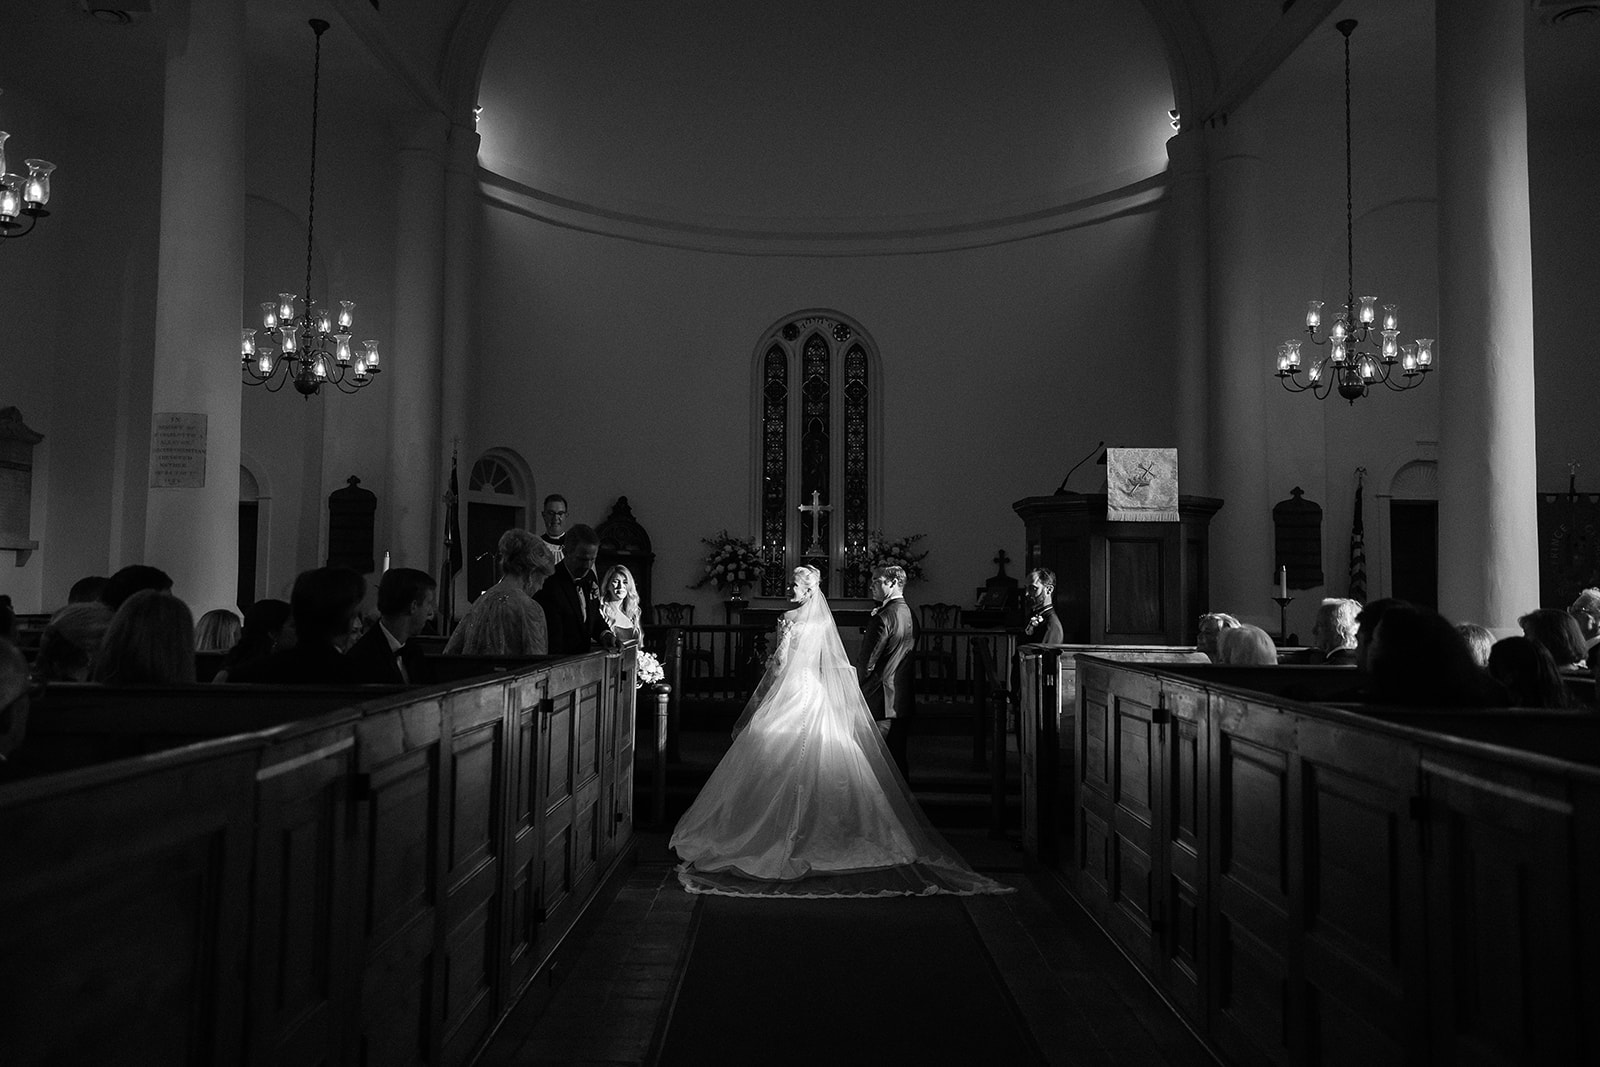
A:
(1283, 603)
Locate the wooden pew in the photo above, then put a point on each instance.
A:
(1342, 884)
(373, 882)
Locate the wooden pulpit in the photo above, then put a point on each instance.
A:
(1122, 583)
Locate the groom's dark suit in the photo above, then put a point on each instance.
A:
(571, 612)
(886, 674)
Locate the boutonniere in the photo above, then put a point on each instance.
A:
(876, 610)
(1033, 623)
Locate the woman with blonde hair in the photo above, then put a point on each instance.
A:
(619, 604)
(71, 641)
(217, 631)
(150, 640)
(505, 620)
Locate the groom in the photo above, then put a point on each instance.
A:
(886, 670)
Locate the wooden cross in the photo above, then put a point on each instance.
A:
(816, 508)
(1001, 559)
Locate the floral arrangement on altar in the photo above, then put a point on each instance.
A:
(647, 669)
(731, 561)
(881, 551)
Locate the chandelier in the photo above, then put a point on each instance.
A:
(313, 345)
(1353, 365)
(21, 194)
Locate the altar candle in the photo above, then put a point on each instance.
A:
(1283, 582)
(386, 563)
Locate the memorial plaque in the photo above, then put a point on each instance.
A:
(178, 450)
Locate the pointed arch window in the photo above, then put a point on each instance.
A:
(818, 441)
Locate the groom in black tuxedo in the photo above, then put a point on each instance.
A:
(886, 670)
(571, 596)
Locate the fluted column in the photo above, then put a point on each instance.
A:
(416, 482)
(460, 257)
(192, 518)
(1186, 189)
(1488, 531)
(1241, 533)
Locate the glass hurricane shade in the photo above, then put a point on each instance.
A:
(10, 196)
(18, 191)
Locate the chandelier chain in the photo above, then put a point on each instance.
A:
(1349, 193)
(311, 200)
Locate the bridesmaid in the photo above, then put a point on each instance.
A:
(619, 604)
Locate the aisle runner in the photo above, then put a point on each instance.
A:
(881, 982)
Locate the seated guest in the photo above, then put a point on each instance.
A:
(71, 641)
(13, 702)
(1586, 612)
(571, 598)
(1415, 658)
(268, 628)
(619, 604)
(217, 631)
(8, 620)
(1333, 634)
(1039, 591)
(1246, 646)
(406, 601)
(323, 603)
(1367, 626)
(1211, 626)
(86, 590)
(129, 580)
(1479, 639)
(1525, 668)
(149, 641)
(506, 620)
(1559, 633)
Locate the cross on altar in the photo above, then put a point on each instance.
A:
(816, 508)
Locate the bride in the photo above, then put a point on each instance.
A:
(808, 802)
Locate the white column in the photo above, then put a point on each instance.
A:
(1488, 530)
(1241, 533)
(1187, 198)
(460, 256)
(416, 483)
(191, 531)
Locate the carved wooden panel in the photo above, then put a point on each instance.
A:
(1184, 833)
(522, 908)
(1134, 592)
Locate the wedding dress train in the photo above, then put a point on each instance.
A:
(808, 802)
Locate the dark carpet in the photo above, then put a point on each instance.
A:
(903, 980)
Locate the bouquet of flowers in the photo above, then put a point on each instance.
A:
(647, 669)
(731, 561)
(881, 551)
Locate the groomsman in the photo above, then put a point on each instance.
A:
(555, 524)
(886, 671)
(571, 596)
(406, 601)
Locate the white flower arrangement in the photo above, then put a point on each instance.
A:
(731, 561)
(647, 669)
(884, 551)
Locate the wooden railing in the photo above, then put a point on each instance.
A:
(247, 874)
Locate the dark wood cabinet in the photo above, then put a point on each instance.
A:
(1122, 583)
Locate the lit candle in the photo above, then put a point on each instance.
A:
(1283, 582)
(386, 563)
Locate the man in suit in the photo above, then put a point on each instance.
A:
(555, 524)
(886, 670)
(406, 601)
(1333, 632)
(1043, 627)
(323, 603)
(571, 596)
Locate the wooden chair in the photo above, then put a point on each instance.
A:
(935, 655)
(697, 660)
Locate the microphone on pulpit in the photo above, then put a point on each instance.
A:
(1061, 490)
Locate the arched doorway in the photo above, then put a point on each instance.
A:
(497, 501)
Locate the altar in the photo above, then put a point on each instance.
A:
(850, 614)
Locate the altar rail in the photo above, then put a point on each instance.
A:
(1342, 884)
(304, 876)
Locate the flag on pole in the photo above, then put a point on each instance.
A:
(1358, 547)
(451, 565)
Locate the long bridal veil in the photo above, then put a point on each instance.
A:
(808, 802)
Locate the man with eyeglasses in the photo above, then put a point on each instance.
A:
(555, 524)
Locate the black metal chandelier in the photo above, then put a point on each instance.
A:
(313, 347)
(22, 196)
(1352, 366)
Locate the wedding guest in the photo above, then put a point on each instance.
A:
(1367, 626)
(555, 522)
(1043, 626)
(1246, 646)
(217, 631)
(1415, 657)
(13, 703)
(150, 640)
(1528, 672)
(1559, 633)
(619, 604)
(1479, 639)
(130, 580)
(323, 603)
(268, 628)
(406, 601)
(1333, 634)
(71, 641)
(8, 620)
(571, 598)
(86, 589)
(1211, 626)
(506, 620)
(1585, 610)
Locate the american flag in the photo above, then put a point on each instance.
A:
(1358, 547)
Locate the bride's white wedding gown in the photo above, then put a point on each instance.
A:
(808, 802)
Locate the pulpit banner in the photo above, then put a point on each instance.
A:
(1142, 484)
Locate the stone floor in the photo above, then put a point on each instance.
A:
(609, 996)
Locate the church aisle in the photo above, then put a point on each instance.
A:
(666, 978)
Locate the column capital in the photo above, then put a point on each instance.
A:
(426, 132)
(1186, 151)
